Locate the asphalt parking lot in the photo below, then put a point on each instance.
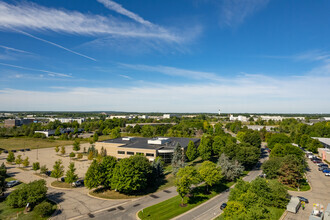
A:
(319, 193)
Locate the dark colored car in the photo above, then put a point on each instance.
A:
(303, 199)
(48, 173)
(63, 179)
(322, 168)
(28, 149)
(5, 151)
(316, 160)
(14, 151)
(12, 183)
(78, 183)
(21, 150)
(325, 165)
(223, 206)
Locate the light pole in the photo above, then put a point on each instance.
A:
(37, 151)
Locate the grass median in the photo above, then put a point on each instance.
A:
(16, 143)
(171, 208)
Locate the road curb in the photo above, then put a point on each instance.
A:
(95, 197)
(283, 215)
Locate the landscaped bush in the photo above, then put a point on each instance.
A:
(44, 209)
(32, 193)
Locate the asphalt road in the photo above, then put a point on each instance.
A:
(211, 209)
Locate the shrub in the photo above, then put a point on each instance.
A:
(44, 209)
(43, 169)
(34, 193)
(36, 166)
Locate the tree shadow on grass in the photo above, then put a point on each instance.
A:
(56, 196)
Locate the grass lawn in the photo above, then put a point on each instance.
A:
(7, 212)
(304, 186)
(171, 208)
(60, 184)
(16, 143)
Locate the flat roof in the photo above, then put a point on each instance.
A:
(142, 143)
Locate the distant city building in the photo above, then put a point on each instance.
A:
(48, 133)
(9, 123)
(238, 118)
(67, 120)
(152, 124)
(167, 116)
(259, 127)
(149, 147)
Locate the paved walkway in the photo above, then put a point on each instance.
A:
(320, 193)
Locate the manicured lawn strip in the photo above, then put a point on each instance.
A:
(171, 208)
(32, 143)
(60, 184)
(7, 212)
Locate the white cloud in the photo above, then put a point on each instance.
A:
(38, 18)
(119, 9)
(15, 50)
(125, 76)
(234, 12)
(173, 71)
(249, 93)
(50, 73)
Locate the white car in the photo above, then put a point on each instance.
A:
(327, 174)
(12, 183)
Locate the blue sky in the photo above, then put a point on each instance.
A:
(165, 56)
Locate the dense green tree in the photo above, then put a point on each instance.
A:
(3, 175)
(157, 168)
(240, 135)
(231, 170)
(234, 210)
(191, 152)
(281, 150)
(43, 169)
(218, 129)
(19, 160)
(205, 147)
(271, 167)
(36, 166)
(95, 137)
(11, 157)
(26, 162)
(289, 174)
(178, 159)
(58, 169)
(278, 139)
(115, 133)
(33, 193)
(247, 155)
(76, 145)
(209, 173)
(185, 178)
(252, 138)
(131, 174)
(62, 150)
(57, 131)
(219, 144)
(93, 177)
(71, 175)
(108, 165)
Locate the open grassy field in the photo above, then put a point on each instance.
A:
(16, 143)
(170, 208)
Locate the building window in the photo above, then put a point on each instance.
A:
(149, 155)
(139, 153)
(130, 153)
(121, 152)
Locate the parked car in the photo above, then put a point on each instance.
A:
(316, 161)
(12, 183)
(14, 151)
(303, 199)
(310, 156)
(326, 170)
(322, 168)
(5, 151)
(319, 164)
(78, 183)
(327, 174)
(223, 206)
(63, 179)
(21, 150)
(324, 165)
(48, 173)
(27, 149)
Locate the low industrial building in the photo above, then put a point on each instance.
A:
(324, 153)
(149, 147)
(10, 123)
